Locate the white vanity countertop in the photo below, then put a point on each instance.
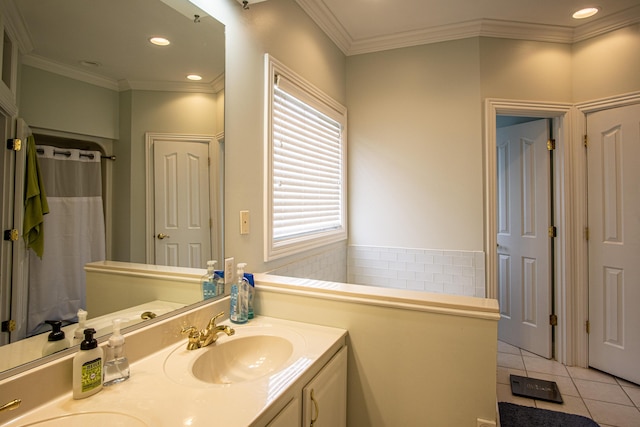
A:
(150, 397)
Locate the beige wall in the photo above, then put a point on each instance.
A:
(55, 102)
(415, 147)
(282, 29)
(607, 65)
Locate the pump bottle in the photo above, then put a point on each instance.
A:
(239, 309)
(87, 367)
(209, 281)
(116, 365)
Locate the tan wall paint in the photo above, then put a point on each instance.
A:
(415, 147)
(607, 65)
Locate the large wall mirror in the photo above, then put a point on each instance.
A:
(88, 79)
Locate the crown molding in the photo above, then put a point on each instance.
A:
(73, 73)
(607, 24)
(324, 18)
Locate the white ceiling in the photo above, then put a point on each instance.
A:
(360, 26)
(58, 35)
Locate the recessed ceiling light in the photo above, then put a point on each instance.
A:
(585, 13)
(194, 77)
(159, 41)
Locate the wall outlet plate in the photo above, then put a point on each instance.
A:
(228, 270)
(244, 222)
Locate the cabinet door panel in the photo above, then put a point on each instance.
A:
(328, 408)
(289, 416)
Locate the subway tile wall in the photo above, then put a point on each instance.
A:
(330, 265)
(439, 271)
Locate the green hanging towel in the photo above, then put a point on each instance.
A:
(35, 201)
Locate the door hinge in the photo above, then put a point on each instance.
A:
(586, 233)
(585, 141)
(587, 326)
(553, 319)
(9, 325)
(14, 144)
(552, 231)
(551, 144)
(11, 235)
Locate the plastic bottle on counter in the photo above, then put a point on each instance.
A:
(87, 367)
(239, 309)
(116, 365)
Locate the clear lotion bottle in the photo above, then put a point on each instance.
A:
(87, 367)
(239, 309)
(116, 365)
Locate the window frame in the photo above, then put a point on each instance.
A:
(315, 98)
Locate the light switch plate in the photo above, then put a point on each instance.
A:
(244, 222)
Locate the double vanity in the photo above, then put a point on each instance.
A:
(408, 353)
(267, 372)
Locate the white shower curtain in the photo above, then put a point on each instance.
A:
(74, 234)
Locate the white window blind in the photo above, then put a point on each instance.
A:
(306, 184)
(307, 169)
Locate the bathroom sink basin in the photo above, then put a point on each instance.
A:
(243, 359)
(111, 419)
(252, 353)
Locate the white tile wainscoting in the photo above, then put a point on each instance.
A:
(439, 271)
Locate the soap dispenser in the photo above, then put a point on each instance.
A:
(209, 281)
(239, 309)
(82, 319)
(56, 340)
(87, 367)
(116, 365)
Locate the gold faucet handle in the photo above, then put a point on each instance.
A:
(212, 322)
(194, 336)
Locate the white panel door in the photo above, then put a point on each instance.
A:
(182, 206)
(523, 271)
(614, 245)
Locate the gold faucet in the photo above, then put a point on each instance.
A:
(209, 335)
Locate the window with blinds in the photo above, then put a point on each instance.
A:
(306, 183)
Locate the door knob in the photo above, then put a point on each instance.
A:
(163, 236)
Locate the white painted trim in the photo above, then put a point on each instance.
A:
(563, 174)
(327, 21)
(454, 305)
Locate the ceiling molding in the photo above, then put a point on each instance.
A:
(327, 21)
(607, 24)
(73, 73)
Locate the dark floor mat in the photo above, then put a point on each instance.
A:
(535, 389)
(512, 415)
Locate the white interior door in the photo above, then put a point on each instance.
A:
(614, 242)
(523, 270)
(182, 203)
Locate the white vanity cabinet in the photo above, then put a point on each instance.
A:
(324, 398)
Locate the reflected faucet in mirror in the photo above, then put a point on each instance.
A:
(97, 91)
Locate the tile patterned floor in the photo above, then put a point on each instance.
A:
(610, 401)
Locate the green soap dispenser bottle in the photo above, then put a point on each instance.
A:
(87, 367)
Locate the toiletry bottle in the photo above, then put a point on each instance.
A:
(220, 288)
(209, 281)
(252, 291)
(116, 365)
(82, 319)
(56, 340)
(239, 310)
(87, 367)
